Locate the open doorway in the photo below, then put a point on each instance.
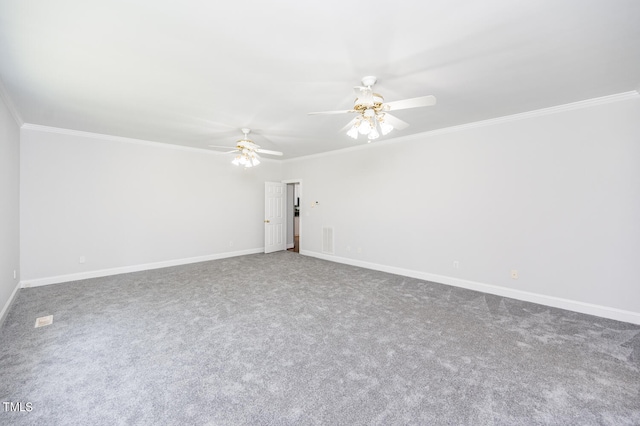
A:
(293, 216)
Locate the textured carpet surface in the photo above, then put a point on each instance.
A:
(287, 339)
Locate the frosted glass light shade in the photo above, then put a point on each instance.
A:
(364, 128)
(385, 127)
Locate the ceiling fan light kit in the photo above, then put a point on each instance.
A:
(373, 112)
(247, 151)
(246, 158)
(367, 125)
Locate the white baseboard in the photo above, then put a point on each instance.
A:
(556, 302)
(7, 305)
(134, 268)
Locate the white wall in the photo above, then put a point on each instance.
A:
(9, 207)
(555, 196)
(122, 204)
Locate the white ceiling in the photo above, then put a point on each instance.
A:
(194, 72)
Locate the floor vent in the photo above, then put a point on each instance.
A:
(42, 321)
(327, 240)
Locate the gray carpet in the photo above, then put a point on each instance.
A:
(287, 339)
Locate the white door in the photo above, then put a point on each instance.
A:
(275, 195)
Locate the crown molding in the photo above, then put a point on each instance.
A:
(122, 139)
(634, 94)
(10, 105)
(110, 138)
(619, 97)
(588, 103)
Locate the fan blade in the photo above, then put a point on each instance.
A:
(224, 147)
(331, 112)
(266, 151)
(395, 122)
(410, 103)
(348, 126)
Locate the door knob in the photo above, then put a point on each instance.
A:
(266, 221)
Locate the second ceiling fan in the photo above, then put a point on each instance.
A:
(373, 112)
(247, 151)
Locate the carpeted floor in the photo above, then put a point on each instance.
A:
(287, 339)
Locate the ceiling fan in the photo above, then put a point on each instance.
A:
(247, 151)
(373, 111)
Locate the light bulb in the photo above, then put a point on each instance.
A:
(353, 132)
(236, 161)
(373, 134)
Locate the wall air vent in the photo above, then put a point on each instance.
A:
(327, 240)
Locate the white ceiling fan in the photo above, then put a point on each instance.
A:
(247, 151)
(373, 112)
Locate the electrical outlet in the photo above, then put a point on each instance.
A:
(14, 274)
(456, 264)
(82, 259)
(514, 274)
(359, 249)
